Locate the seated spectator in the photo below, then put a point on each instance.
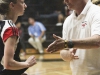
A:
(60, 19)
(36, 31)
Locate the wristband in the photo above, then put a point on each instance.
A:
(70, 44)
(65, 45)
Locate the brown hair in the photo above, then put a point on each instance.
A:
(4, 6)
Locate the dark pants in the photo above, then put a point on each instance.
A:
(16, 57)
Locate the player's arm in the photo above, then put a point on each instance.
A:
(9, 50)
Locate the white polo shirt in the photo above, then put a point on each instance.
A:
(85, 25)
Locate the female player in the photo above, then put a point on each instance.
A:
(9, 36)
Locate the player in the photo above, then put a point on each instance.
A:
(9, 38)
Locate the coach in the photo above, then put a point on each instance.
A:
(81, 38)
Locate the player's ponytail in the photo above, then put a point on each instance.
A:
(4, 6)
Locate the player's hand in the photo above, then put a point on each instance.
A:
(31, 61)
(57, 45)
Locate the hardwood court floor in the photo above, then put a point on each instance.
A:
(52, 66)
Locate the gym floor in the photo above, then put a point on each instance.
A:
(48, 64)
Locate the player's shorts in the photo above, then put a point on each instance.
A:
(12, 72)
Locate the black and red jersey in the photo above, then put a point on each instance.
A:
(7, 29)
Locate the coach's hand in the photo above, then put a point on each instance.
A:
(68, 55)
(57, 45)
(31, 61)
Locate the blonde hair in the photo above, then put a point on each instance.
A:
(4, 6)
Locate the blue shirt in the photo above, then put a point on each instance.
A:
(36, 29)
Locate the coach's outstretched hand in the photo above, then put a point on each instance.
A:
(57, 45)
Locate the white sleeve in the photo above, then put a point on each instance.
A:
(95, 27)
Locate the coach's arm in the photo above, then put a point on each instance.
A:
(86, 43)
